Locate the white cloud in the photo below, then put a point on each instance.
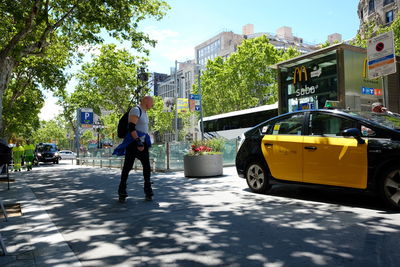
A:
(171, 46)
(160, 34)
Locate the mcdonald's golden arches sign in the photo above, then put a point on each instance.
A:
(299, 73)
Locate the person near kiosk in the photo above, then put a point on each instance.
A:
(378, 108)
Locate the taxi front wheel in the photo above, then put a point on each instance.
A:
(390, 187)
(257, 177)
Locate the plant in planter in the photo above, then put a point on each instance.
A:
(204, 159)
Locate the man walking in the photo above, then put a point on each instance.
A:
(29, 154)
(136, 145)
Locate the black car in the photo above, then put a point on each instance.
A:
(349, 149)
(46, 152)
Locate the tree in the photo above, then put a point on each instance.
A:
(23, 98)
(110, 81)
(31, 28)
(86, 137)
(51, 131)
(245, 79)
(160, 121)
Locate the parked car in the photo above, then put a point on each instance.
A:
(46, 152)
(67, 154)
(348, 149)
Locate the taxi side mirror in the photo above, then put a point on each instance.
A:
(354, 132)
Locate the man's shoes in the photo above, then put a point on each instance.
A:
(122, 198)
(148, 194)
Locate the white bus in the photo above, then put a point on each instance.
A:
(232, 124)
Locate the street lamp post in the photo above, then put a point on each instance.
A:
(98, 126)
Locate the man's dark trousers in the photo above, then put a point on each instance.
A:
(131, 154)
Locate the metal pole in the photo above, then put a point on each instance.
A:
(385, 92)
(201, 105)
(176, 101)
(77, 132)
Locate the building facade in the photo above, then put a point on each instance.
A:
(223, 44)
(185, 78)
(226, 43)
(155, 80)
(380, 12)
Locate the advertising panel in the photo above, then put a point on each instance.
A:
(183, 105)
(360, 91)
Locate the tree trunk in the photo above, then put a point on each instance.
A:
(7, 65)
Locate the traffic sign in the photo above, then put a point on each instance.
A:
(381, 56)
(86, 116)
(194, 102)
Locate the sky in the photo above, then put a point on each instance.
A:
(191, 22)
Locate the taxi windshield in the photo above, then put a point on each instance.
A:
(388, 120)
(47, 148)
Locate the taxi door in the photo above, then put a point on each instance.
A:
(282, 148)
(331, 159)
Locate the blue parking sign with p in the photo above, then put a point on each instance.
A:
(86, 117)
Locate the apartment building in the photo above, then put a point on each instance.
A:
(380, 12)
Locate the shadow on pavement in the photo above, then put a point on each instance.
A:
(214, 221)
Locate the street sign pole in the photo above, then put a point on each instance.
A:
(201, 104)
(385, 91)
(77, 132)
(176, 101)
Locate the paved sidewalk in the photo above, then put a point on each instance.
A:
(31, 239)
(71, 217)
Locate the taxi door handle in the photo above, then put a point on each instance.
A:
(268, 144)
(310, 147)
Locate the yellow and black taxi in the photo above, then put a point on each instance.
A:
(348, 149)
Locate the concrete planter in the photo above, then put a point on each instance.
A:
(203, 165)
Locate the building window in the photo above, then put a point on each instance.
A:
(389, 16)
(371, 6)
(386, 2)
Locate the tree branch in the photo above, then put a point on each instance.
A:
(23, 32)
(50, 28)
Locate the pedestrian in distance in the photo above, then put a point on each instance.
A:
(136, 144)
(29, 150)
(18, 153)
(378, 108)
